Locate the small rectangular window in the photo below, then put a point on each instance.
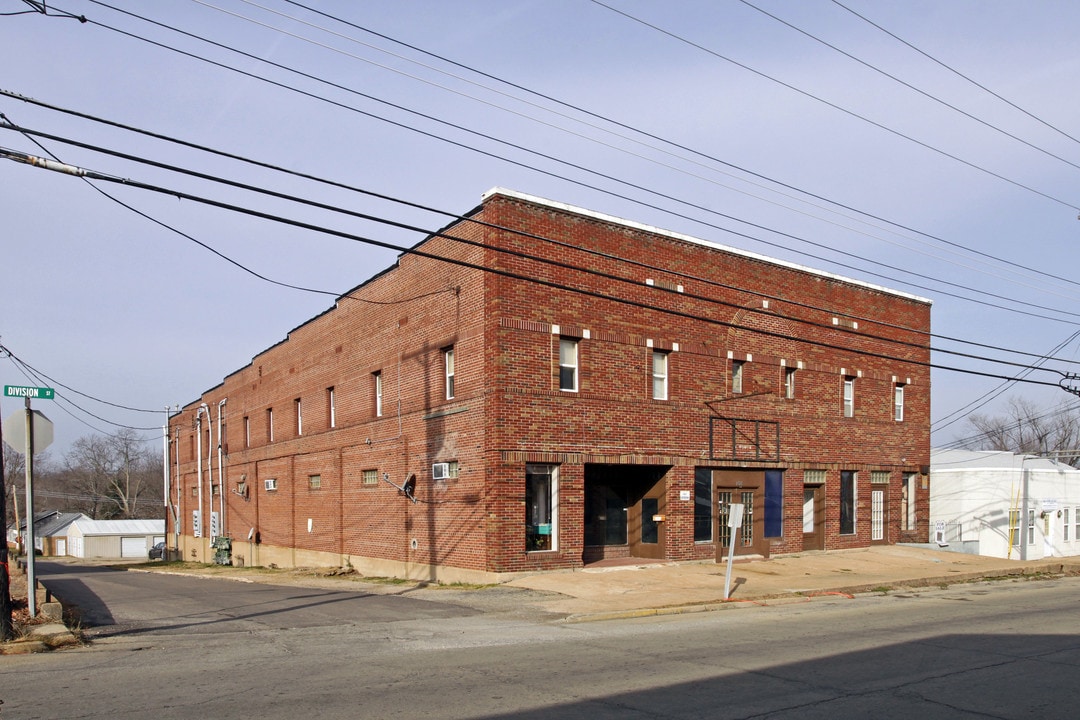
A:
(299, 417)
(813, 477)
(270, 424)
(659, 375)
(377, 380)
(1065, 525)
(330, 408)
(849, 396)
(879, 476)
(789, 383)
(247, 431)
(898, 403)
(568, 364)
(737, 376)
(448, 355)
(314, 482)
(1031, 527)
(1076, 520)
(370, 477)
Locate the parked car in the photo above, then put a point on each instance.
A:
(158, 551)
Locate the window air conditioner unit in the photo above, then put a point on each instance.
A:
(440, 471)
(270, 483)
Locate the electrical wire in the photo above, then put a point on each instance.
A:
(912, 87)
(425, 231)
(822, 246)
(956, 72)
(464, 218)
(505, 273)
(881, 126)
(197, 241)
(1013, 265)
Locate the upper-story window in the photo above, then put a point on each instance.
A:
(299, 417)
(568, 364)
(737, 376)
(659, 375)
(270, 424)
(448, 358)
(789, 383)
(849, 396)
(898, 403)
(378, 381)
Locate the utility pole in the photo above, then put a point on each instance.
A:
(7, 630)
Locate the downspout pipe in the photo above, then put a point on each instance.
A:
(179, 513)
(165, 471)
(198, 454)
(221, 467)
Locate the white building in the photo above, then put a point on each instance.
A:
(88, 538)
(979, 498)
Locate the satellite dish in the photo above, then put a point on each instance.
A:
(409, 488)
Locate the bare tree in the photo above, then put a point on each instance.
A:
(112, 477)
(15, 478)
(1029, 428)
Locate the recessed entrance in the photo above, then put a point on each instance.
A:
(748, 488)
(813, 517)
(625, 511)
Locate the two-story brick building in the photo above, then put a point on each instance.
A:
(539, 386)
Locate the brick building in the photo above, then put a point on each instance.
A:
(540, 386)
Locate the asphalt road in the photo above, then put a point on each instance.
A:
(1000, 650)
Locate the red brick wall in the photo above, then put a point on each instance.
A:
(508, 410)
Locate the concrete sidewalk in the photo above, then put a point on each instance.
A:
(651, 588)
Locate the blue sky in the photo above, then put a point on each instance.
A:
(115, 306)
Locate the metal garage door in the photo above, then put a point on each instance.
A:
(132, 547)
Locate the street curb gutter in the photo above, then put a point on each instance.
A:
(1052, 569)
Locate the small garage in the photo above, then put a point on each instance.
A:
(108, 539)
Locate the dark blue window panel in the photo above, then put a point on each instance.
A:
(774, 503)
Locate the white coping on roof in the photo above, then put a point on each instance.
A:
(691, 239)
(945, 460)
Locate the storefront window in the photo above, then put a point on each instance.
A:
(541, 507)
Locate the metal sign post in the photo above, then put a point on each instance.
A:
(33, 423)
(735, 513)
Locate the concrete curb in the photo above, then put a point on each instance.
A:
(1055, 569)
(40, 638)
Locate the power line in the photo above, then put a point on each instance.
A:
(575, 166)
(956, 72)
(37, 377)
(363, 216)
(414, 228)
(853, 114)
(1012, 265)
(911, 87)
(411, 227)
(987, 397)
(21, 157)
